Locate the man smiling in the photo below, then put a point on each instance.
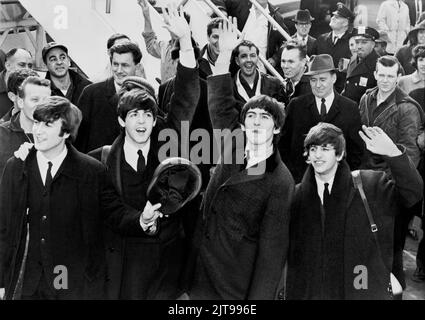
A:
(323, 104)
(100, 99)
(243, 231)
(330, 232)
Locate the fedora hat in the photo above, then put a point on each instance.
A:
(175, 182)
(383, 37)
(303, 16)
(321, 63)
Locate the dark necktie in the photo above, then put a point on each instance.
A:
(289, 88)
(141, 164)
(323, 109)
(49, 178)
(326, 196)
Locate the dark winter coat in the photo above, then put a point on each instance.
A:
(302, 115)
(79, 246)
(399, 116)
(360, 77)
(325, 264)
(78, 84)
(243, 235)
(99, 127)
(339, 50)
(159, 258)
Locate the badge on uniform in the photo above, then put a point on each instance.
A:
(363, 82)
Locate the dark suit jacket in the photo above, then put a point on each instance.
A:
(243, 232)
(302, 115)
(240, 10)
(322, 263)
(99, 127)
(355, 85)
(89, 199)
(339, 50)
(160, 257)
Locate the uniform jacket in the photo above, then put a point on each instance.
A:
(322, 264)
(99, 127)
(360, 77)
(78, 84)
(400, 117)
(162, 269)
(302, 115)
(337, 51)
(243, 238)
(89, 200)
(240, 10)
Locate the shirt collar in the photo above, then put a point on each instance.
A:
(56, 162)
(253, 159)
(415, 77)
(130, 152)
(117, 87)
(328, 101)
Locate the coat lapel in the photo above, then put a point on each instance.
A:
(110, 93)
(312, 107)
(334, 110)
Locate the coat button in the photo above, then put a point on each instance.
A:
(111, 249)
(44, 218)
(43, 241)
(281, 295)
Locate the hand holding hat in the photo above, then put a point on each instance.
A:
(149, 216)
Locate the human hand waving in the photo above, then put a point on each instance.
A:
(378, 142)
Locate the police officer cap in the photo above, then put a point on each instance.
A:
(365, 32)
(344, 12)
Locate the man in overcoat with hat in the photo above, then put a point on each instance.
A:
(303, 21)
(147, 263)
(360, 72)
(324, 104)
(336, 42)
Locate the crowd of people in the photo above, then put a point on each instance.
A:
(309, 196)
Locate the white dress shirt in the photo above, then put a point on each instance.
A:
(321, 186)
(261, 155)
(43, 165)
(328, 102)
(130, 153)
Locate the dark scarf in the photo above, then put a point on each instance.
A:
(316, 261)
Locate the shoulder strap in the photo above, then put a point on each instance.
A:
(105, 153)
(358, 184)
(395, 286)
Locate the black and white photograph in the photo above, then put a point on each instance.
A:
(212, 154)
